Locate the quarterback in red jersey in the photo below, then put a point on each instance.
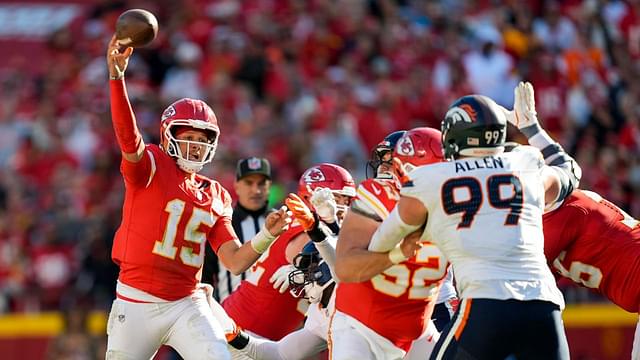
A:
(258, 306)
(170, 212)
(596, 244)
(384, 300)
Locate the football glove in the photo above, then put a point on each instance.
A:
(280, 278)
(524, 106)
(324, 204)
(300, 211)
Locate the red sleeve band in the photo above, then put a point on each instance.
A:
(124, 120)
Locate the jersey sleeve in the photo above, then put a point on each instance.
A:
(416, 183)
(373, 200)
(530, 157)
(141, 173)
(222, 230)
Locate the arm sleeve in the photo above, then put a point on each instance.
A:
(140, 173)
(391, 233)
(124, 121)
(566, 169)
(327, 250)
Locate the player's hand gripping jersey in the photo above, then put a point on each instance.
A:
(594, 243)
(394, 304)
(502, 195)
(258, 307)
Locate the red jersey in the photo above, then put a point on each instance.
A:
(594, 243)
(166, 221)
(258, 307)
(398, 303)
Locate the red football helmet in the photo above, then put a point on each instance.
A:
(190, 113)
(326, 175)
(419, 146)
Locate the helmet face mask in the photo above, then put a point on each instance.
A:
(382, 154)
(192, 114)
(473, 126)
(312, 275)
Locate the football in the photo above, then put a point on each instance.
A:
(136, 28)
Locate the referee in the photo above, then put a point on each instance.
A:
(253, 181)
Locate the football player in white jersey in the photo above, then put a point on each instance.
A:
(483, 209)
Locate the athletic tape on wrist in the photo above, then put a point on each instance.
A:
(261, 242)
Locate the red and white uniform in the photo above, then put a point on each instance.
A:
(166, 223)
(398, 303)
(168, 217)
(259, 308)
(596, 244)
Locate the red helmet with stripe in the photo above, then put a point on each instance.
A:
(194, 114)
(419, 146)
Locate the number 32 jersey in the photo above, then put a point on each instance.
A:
(397, 303)
(594, 243)
(485, 214)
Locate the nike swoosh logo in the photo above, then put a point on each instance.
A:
(376, 190)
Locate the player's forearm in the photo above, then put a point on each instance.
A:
(361, 265)
(124, 122)
(391, 232)
(242, 259)
(327, 251)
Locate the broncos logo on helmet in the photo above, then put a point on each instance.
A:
(473, 126)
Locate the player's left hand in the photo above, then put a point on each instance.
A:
(325, 205)
(280, 278)
(524, 105)
(278, 221)
(300, 211)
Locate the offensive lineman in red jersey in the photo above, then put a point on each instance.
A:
(594, 243)
(259, 307)
(384, 300)
(169, 214)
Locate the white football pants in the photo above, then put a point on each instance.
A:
(349, 339)
(136, 330)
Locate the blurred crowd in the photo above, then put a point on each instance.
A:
(298, 82)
